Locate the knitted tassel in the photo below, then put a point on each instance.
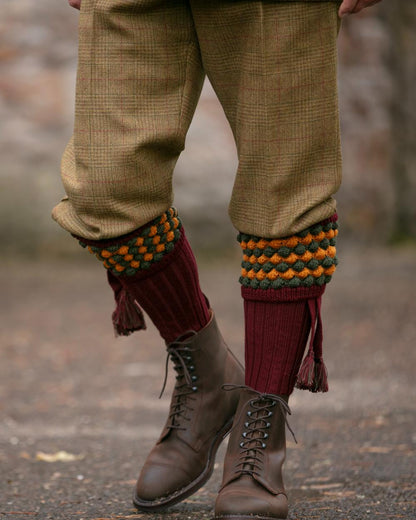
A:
(127, 316)
(313, 375)
(306, 375)
(321, 376)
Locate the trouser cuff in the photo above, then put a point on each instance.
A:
(140, 250)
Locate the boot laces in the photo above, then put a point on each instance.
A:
(180, 352)
(255, 434)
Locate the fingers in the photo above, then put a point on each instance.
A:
(75, 3)
(362, 4)
(347, 7)
(355, 6)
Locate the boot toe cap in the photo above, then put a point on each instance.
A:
(160, 482)
(234, 501)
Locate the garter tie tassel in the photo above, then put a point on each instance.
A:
(127, 316)
(313, 375)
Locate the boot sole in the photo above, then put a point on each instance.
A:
(164, 502)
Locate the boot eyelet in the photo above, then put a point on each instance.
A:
(269, 414)
(263, 445)
(246, 424)
(242, 444)
(249, 414)
(273, 403)
(194, 378)
(194, 389)
(245, 435)
(191, 368)
(266, 435)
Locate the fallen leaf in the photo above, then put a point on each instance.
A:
(317, 479)
(325, 486)
(375, 449)
(59, 456)
(342, 494)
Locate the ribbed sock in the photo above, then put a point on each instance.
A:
(276, 334)
(153, 267)
(283, 280)
(169, 292)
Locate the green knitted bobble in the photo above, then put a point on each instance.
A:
(316, 244)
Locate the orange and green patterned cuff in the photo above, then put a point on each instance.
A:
(139, 250)
(306, 259)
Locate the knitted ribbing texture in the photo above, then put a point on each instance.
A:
(170, 293)
(275, 338)
(153, 268)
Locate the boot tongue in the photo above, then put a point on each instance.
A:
(177, 420)
(252, 457)
(253, 444)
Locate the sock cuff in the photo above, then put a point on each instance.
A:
(140, 250)
(285, 295)
(302, 261)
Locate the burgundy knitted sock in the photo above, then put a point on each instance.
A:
(169, 292)
(276, 337)
(283, 280)
(153, 267)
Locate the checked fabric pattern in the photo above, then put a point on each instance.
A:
(140, 72)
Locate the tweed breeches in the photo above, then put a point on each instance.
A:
(140, 72)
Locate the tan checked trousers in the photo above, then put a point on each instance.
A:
(141, 68)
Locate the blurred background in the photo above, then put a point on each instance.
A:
(67, 385)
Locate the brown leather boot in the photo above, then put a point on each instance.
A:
(252, 484)
(200, 416)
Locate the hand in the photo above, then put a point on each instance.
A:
(355, 6)
(75, 3)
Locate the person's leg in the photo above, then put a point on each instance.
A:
(139, 79)
(156, 268)
(283, 281)
(138, 82)
(273, 67)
